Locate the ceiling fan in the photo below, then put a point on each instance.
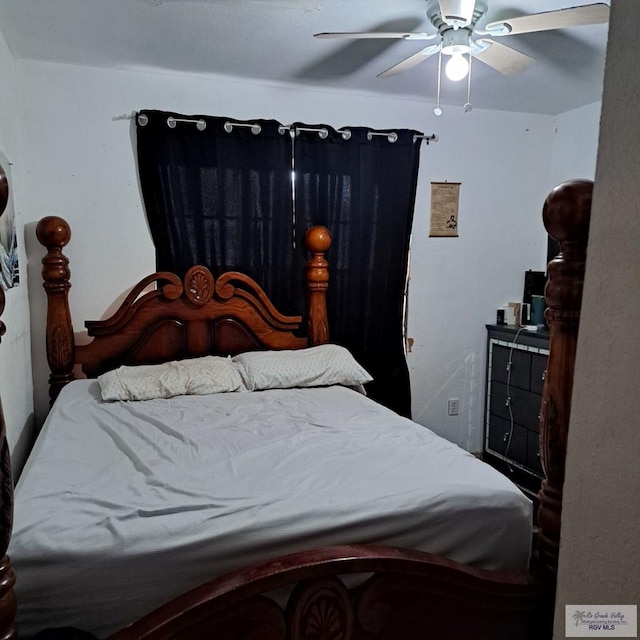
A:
(457, 35)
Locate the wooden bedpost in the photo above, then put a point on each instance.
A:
(54, 234)
(566, 217)
(7, 576)
(318, 241)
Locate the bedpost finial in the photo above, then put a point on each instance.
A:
(318, 239)
(566, 215)
(53, 231)
(567, 210)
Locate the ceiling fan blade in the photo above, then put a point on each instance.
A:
(502, 58)
(560, 19)
(377, 34)
(411, 61)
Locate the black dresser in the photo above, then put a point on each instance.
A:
(516, 368)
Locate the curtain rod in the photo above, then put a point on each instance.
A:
(392, 136)
(323, 132)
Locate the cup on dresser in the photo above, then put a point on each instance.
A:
(538, 306)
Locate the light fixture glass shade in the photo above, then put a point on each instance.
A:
(457, 68)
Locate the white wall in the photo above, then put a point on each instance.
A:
(599, 558)
(575, 145)
(81, 165)
(15, 362)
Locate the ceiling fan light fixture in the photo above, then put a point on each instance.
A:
(456, 41)
(457, 67)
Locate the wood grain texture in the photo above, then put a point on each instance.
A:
(167, 318)
(566, 215)
(318, 241)
(409, 595)
(54, 233)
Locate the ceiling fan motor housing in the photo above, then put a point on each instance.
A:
(455, 14)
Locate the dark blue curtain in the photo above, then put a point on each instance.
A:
(224, 198)
(219, 198)
(363, 189)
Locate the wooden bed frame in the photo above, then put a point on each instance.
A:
(409, 594)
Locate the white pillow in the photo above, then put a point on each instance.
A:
(198, 376)
(324, 365)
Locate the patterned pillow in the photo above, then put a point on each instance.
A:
(324, 365)
(199, 376)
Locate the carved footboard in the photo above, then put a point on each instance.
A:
(411, 595)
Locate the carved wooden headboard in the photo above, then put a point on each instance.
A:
(178, 318)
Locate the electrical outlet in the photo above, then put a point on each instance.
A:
(453, 406)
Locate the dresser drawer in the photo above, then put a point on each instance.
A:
(508, 442)
(524, 405)
(538, 371)
(518, 373)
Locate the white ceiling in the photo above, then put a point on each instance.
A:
(273, 40)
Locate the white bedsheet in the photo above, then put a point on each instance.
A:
(122, 506)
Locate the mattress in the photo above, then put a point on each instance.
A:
(124, 505)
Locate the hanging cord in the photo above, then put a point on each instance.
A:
(437, 109)
(468, 106)
(511, 422)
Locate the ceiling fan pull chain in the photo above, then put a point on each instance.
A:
(468, 106)
(437, 110)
